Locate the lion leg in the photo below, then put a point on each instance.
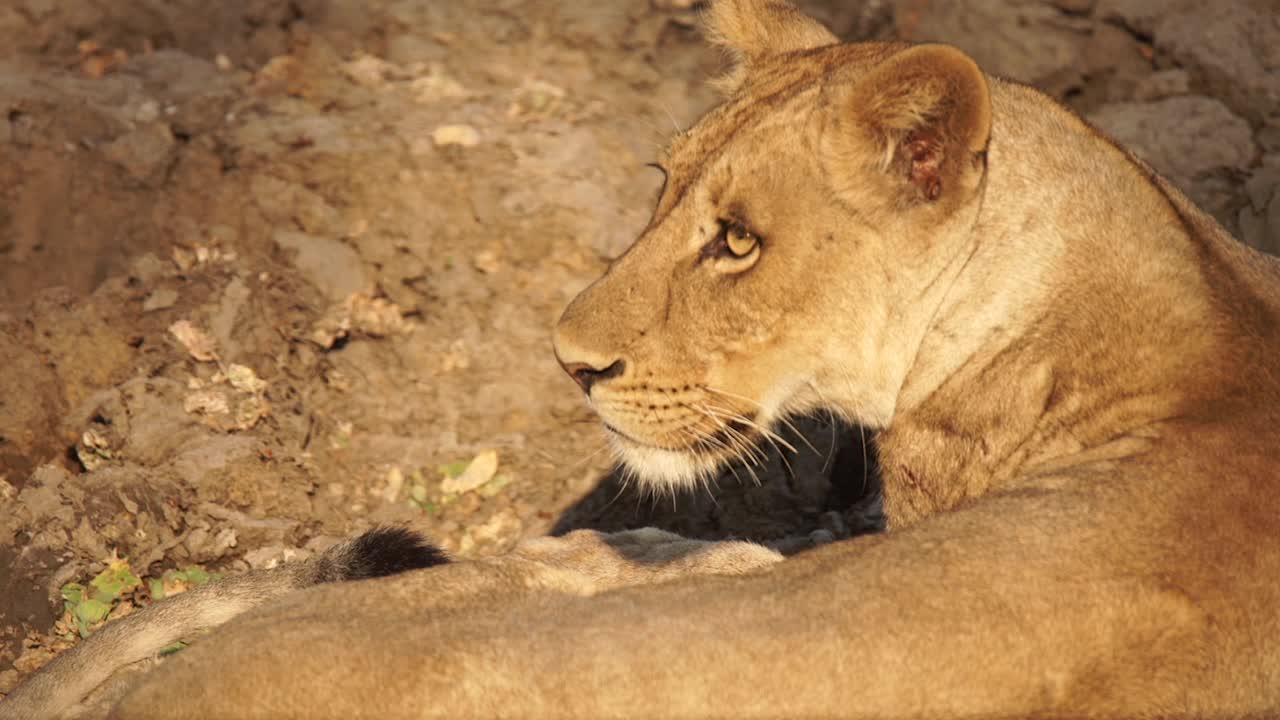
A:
(582, 563)
(586, 562)
(1023, 605)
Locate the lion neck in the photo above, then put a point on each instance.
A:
(1072, 328)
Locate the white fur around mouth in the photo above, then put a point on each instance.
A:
(660, 467)
(700, 463)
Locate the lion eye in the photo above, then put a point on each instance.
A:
(734, 247)
(739, 241)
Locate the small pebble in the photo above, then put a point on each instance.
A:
(463, 135)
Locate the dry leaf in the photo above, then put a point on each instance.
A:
(250, 410)
(480, 471)
(183, 258)
(456, 357)
(395, 482)
(375, 316)
(94, 450)
(502, 525)
(463, 135)
(161, 299)
(196, 342)
(227, 411)
(487, 262)
(437, 87)
(245, 379)
(207, 402)
(359, 313)
(96, 61)
(535, 99)
(369, 71)
(173, 584)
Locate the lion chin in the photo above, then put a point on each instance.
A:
(665, 470)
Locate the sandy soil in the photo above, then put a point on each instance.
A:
(271, 272)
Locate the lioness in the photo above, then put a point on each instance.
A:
(1073, 372)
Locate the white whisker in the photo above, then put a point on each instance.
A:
(783, 419)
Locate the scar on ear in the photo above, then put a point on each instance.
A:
(923, 151)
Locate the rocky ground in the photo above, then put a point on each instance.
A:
(274, 272)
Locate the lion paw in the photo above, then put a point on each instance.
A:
(585, 562)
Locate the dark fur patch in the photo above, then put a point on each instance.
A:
(380, 552)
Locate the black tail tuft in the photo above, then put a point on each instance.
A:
(379, 552)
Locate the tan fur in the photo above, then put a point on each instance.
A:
(750, 30)
(62, 685)
(1073, 374)
(86, 681)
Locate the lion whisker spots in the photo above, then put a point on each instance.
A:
(644, 418)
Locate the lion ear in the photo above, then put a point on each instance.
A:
(923, 115)
(753, 30)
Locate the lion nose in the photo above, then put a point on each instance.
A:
(586, 375)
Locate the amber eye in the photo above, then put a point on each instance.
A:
(739, 241)
(734, 248)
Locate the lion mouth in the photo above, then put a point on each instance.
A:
(699, 458)
(628, 438)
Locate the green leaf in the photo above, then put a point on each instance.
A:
(196, 575)
(157, 588)
(93, 611)
(494, 486)
(90, 613)
(106, 588)
(113, 582)
(454, 469)
(172, 648)
(73, 593)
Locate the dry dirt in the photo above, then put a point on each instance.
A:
(266, 267)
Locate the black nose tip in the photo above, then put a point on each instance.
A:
(586, 376)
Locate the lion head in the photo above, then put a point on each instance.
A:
(800, 240)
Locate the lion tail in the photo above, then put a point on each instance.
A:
(77, 672)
